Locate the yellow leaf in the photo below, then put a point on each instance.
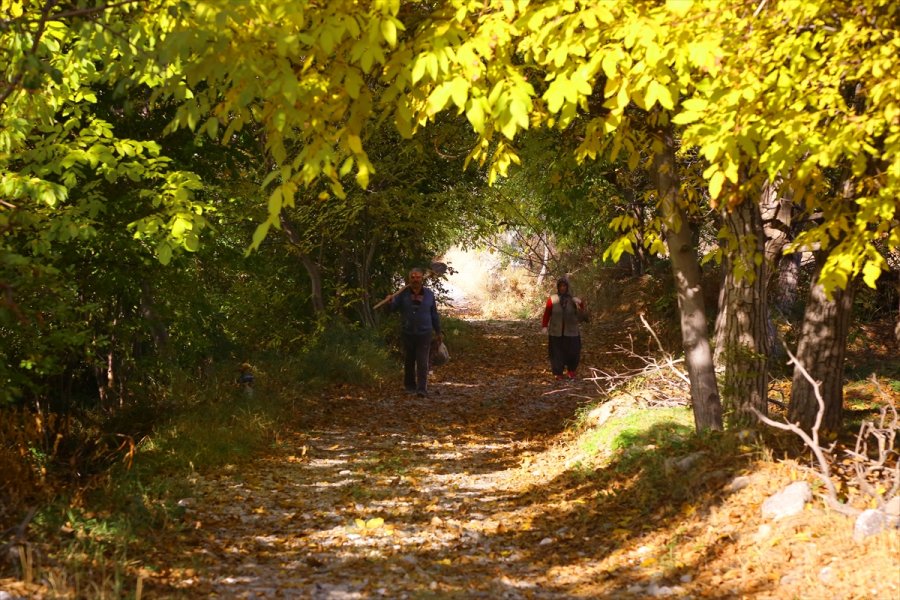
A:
(679, 8)
(871, 273)
(715, 184)
(475, 115)
(657, 92)
(362, 176)
(459, 91)
(438, 98)
(418, 70)
(609, 66)
(389, 31)
(556, 93)
(374, 523)
(347, 166)
(354, 143)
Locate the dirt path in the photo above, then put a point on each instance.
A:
(382, 494)
(475, 492)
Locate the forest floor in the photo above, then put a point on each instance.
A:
(481, 491)
(489, 488)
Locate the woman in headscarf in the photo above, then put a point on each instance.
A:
(563, 314)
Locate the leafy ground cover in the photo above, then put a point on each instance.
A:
(504, 484)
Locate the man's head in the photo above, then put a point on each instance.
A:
(416, 277)
(562, 285)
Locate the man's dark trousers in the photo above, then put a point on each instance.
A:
(415, 366)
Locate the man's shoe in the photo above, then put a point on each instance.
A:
(421, 394)
(410, 390)
(571, 374)
(559, 377)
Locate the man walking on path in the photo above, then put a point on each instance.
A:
(418, 311)
(562, 316)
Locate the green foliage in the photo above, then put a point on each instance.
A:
(662, 427)
(635, 453)
(345, 353)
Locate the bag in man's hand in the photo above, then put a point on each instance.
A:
(438, 355)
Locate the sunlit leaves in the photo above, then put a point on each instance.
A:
(770, 102)
(368, 525)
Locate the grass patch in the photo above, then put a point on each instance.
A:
(655, 454)
(459, 335)
(638, 429)
(343, 353)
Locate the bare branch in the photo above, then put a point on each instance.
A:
(812, 440)
(669, 360)
(866, 465)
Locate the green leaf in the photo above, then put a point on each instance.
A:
(164, 252)
(191, 242)
(259, 235)
(275, 201)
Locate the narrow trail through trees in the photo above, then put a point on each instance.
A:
(480, 491)
(382, 494)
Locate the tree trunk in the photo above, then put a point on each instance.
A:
(543, 272)
(367, 315)
(823, 340)
(742, 326)
(784, 270)
(897, 326)
(686, 271)
(315, 283)
(786, 292)
(311, 266)
(149, 315)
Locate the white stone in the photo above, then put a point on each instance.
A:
(789, 501)
(870, 522)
